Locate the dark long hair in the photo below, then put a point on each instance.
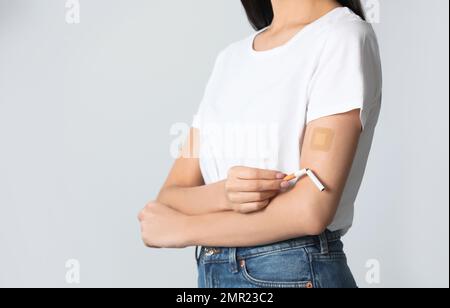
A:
(260, 12)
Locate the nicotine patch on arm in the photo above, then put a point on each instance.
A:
(322, 139)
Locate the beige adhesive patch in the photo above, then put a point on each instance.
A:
(322, 139)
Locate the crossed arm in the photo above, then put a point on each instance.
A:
(249, 208)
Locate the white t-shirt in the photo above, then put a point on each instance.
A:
(257, 103)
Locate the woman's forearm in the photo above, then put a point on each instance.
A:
(285, 218)
(231, 229)
(195, 200)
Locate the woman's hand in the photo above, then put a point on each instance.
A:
(162, 227)
(249, 190)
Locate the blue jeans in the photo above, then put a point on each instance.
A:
(307, 262)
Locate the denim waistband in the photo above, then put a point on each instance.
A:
(224, 254)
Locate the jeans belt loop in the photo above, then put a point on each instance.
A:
(324, 249)
(232, 258)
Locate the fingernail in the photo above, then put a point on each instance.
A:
(285, 184)
(281, 176)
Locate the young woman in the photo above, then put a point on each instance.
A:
(303, 92)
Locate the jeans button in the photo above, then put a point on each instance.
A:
(309, 285)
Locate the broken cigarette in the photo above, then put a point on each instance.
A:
(301, 173)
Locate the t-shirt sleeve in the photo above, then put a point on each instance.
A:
(348, 74)
(198, 117)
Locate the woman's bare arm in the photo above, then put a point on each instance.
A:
(301, 211)
(184, 189)
(329, 148)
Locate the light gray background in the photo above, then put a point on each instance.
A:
(85, 113)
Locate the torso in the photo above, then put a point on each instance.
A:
(255, 108)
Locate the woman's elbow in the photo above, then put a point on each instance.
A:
(317, 219)
(314, 228)
(163, 194)
(306, 216)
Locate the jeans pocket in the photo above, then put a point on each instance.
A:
(288, 268)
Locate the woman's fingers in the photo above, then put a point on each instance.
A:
(252, 207)
(246, 173)
(249, 197)
(250, 190)
(257, 185)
